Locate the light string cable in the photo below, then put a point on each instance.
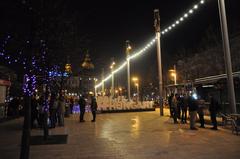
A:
(169, 28)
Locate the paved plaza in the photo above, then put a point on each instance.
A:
(141, 135)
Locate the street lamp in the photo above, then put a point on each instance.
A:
(135, 79)
(159, 57)
(137, 86)
(128, 50)
(112, 69)
(227, 55)
(120, 91)
(174, 75)
(136, 83)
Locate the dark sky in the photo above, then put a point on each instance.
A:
(108, 24)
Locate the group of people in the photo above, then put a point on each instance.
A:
(181, 103)
(58, 107)
(82, 103)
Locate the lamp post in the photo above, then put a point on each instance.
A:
(112, 69)
(175, 78)
(128, 49)
(174, 74)
(227, 55)
(136, 83)
(159, 58)
(120, 91)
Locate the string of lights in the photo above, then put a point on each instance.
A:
(10, 59)
(29, 85)
(34, 66)
(187, 14)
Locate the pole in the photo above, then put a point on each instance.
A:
(26, 133)
(103, 82)
(128, 78)
(227, 55)
(128, 69)
(112, 84)
(159, 58)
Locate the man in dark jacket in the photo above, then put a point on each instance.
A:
(170, 104)
(94, 108)
(82, 104)
(213, 109)
(193, 107)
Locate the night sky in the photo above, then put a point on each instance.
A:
(102, 27)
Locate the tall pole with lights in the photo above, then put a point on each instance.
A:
(175, 75)
(137, 86)
(112, 70)
(136, 83)
(227, 55)
(128, 49)
(159, 58)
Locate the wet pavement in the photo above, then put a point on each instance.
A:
(141, 135)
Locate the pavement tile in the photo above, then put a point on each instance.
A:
(140, 135)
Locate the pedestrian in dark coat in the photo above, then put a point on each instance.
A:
(179, 105)
(53, 106)
(193, 107)
(174, 108)
(213, 109)
(82, 104)
(61, 110)
(201, 107)
(184, 109)
(71, 105)
(94, 108)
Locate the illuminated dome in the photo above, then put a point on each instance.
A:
(87, 63)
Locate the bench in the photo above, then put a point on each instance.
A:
(226, 119)
(235, 126)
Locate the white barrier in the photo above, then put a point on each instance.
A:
(120, 103)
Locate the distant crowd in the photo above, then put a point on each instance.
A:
(58, 106)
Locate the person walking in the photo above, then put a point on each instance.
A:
(71, 105)
(179, 106)
(61, 111)
(201, 107)
(184, 109)
(94, 108)
(213, 109)
(82, 104)
(193, 107)
(174, 108)
(53, 106)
